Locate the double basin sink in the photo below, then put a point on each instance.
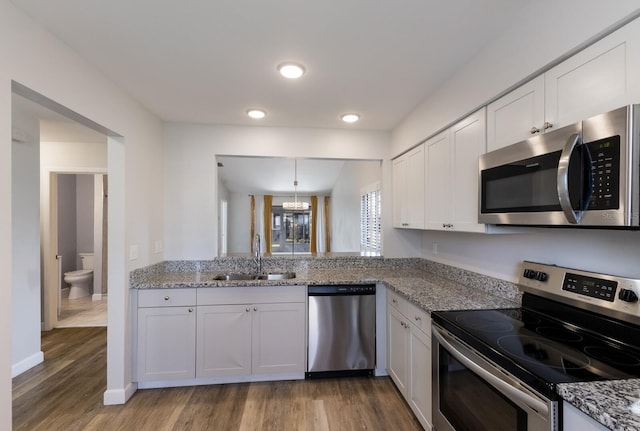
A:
(255, 276)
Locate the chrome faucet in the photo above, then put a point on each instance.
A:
(258, 255)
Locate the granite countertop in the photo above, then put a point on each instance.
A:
(614, 403)
(429, 291)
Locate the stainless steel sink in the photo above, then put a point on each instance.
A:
(236, 276)
(278, 276)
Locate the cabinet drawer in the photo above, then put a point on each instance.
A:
(166, 297)
(398, 302)
(420, 318)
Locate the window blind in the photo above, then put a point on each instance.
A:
(370, 220)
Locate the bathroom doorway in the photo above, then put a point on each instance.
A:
(80, 203)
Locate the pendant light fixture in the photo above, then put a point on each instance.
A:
(295, 205)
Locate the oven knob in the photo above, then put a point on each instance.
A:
(628, 295)
(529, 273)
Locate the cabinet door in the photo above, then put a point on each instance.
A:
(166, 343)
(278, 338)
(575, 420)
(415, 187)
(437, 183)
(517, 115)
(224, 341)
(397, 345)
(468, 142)
(400, 192)
(419, 396)
(598, 79)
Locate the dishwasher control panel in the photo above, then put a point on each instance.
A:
(343, 289)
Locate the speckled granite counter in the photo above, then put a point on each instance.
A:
(609, 403)
(431, 286)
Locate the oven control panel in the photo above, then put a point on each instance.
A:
(590, 286)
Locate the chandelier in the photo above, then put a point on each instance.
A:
(295, 205)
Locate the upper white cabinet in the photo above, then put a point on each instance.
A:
(597, 79)
(516, 116)
(451, 197)
(408, 189)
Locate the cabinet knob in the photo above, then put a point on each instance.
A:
(166, 298)
(255, 308)
(395, 301)
(248, 309)
(547, 125)
(418, 318)
(190, 310)
(534, 130)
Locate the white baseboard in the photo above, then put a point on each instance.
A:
(27, 364)
(119, 396)
(97, 297)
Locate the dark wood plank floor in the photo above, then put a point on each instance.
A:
(65, 393)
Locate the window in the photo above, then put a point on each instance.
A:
(370, 220)
(290, 230)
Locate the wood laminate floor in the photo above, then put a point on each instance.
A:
(65, 393)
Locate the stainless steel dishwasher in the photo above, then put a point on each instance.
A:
(342, 330)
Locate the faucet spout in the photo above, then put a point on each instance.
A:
(258, 254)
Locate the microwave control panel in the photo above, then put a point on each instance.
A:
(605, 173)
(590, 286)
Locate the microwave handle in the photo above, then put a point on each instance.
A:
(572, 216)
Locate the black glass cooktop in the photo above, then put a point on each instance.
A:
(542, 349)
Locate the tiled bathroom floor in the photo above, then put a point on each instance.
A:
(82, 312)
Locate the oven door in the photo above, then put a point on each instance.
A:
(472, 394)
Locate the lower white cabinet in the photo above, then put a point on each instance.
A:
(409, 354)
(218, 335)
(166, 335)
(250, 339)
(575, 420)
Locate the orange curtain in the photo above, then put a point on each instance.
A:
(327, 232)
(313, 247)
(268, 203)
(253, 222)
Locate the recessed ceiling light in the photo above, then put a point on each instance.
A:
(256, 113)
(350, 118)
(291, 70)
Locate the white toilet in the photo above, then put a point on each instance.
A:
(81, 281)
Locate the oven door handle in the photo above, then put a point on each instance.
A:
(504, 387)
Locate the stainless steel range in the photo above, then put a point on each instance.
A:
(497, 370)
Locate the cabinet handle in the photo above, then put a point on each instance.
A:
(248, 309)
(166, 298)
(190, 310)
(547, 125)
(534, 130)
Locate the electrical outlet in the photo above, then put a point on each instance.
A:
(133, 252)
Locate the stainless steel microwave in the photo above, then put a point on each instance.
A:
(585, 174)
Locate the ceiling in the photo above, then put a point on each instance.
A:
(208, 61)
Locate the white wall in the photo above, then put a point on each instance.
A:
(542, 36)
(32, 57)
(25, 240)
(191, 172)
(345, 203)
(84, 215)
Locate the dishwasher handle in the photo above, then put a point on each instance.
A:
(341, 289)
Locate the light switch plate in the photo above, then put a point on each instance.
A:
(133, 252)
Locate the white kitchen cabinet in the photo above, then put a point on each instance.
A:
(224, 341)
(597, 79)
(451, 197)
(408, 189)
(516, 116)
(575, 420)
(166, 334)
(409, 355)
(251, 331)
